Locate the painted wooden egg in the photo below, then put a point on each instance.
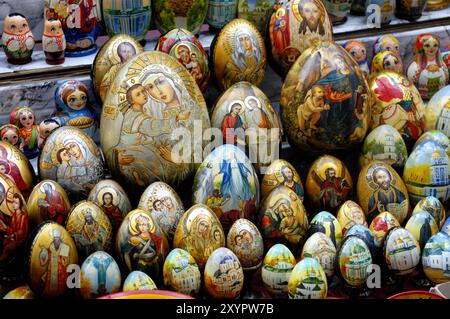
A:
(433, 206)
(164, 205)
(281, 172)
(224, 277)
(350, 214)
(187, 49)
(438, 111)
(396, 101)
(245, 240)
(324, 101)
(227, 183)
(52, 252)
(256, 11)
(90, 228)
(388, 61)
(110, 58)
(220, 12)
(181, 273)
(307, 280)
(366, 235)
(295, 26)
(381, 224)
(99, 276)
(283, 219)
(353, 259)
(384, 143)
(436, 136)
(328, 183)
(276, 269)
(320, 247)
(238, 54)
(199, 232)
(436, 258)
(380, 189)
(401, 251)
(47, 201)
(187, 14)
(113, 199)
(138, 280)
(326, 223)
(141, 244)
(446, 227)
(151, 97)
(21, 292)
(422, 226)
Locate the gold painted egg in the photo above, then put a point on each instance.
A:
(436, 136)
(353, 258)
(276, 270)
(110, 58)
(52, 252)
(326, 223)
(433, 206)
(435, 258)
(324, 101)
(21, 292)
(99, 276)
(281, 172)
(199, 232)
(328, 183)
(320, 247)
(152, 96)
(245, 240)
(437, 110)
(350, 214)
(181, 273)
(138, 280)
(381, 224)
(224, 277)
(164, 205)
(238, 54)
(422, 226)
(90, 228)
(307, 280)
(380, 189)
(401, 251)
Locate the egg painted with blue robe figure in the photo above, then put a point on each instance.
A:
(25, 119)
(138, 280)
(72, 107)
(281, 172)
(367, 236)
(307, 280)
(21, 292)
(422, 226)
(325, 102)
(353, 259)
(223, 275)
(220, 12)
(358, 51)
(386, 60)
(386, 13)
(438, 111)
(326, 223)
(257, 12)
(436, 258)
(446, 227)
(350, 214)
(99, 276)
(381, 224)
(380, 189)
(436, 136)
(320, 247)
(17, 39)
(181, 273)
(433, 206)
(401, 251)
(337, 10)
(227, 183)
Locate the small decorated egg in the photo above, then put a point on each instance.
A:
(350, 214)
(307, 280)
(436, 136)
(387, 42)
(244, 239)
(386, 60)
(224, 277)
(326, 223)
(381, 224)
(320, 247)
(199, 232)
(353, 259)
(220, 12)
(181, 273)
(138, 280)
(276, 270)
(257, 12)
(281, 172)
(401, 251)
(438, 110)
(21, 292)
(366, 235)
(435, 258)
(99, 276)
(422, 226)
(433, 206)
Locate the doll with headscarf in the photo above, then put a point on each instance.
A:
(358, 51)
(24, 118)
(10, 133)
(386, 60)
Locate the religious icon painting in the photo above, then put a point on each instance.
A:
(281, 172)
(350, 214)
(381, 224)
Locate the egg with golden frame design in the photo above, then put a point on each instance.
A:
(350, 214)
(281, 172)
(181, 273)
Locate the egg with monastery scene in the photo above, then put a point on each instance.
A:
(181, 273)
(353, 259)
(308, 273)
(401, 251)
(320, 247)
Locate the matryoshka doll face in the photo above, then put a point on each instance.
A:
(390, 44)
(53, 28)
(16, 24)
(26, 119)
(392, 63)
(10, 135)
(77, 100)
(431, 47)
(47, 127)
(357, 51)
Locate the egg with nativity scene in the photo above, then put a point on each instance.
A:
(281, 172)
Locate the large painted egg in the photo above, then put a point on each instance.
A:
(366, 235)
(181, 273)
(281, 172)
(324, 100)
(224, 277)
(276, 269)
(71, 158)
(141, 244)
(320, 247)
(52, 252)
(187, 14)
(326, 223)
(380, 189)
(257, 12)
(350, 214)
(283, 219)
(227, 183)
(21, 292)
(307, 280)
(47, 201)
(151, 97)
(90, 228)
(164, 205)
(238, 54)
(384, 143)
(401, 251)
(438, 111)
(435, 258)
(113, 199)
(199, 232)
(436, 136)
(353, 259)
(328, 183)
(381, 224)
(433, 206)
(295, 26)
(138, 280)
(220, 12)
(187, 49)
(422, 226)
(244, 239)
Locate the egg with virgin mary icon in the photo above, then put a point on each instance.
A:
(138, 280)
(281, 172)
(326, 223)
(353, 259)
(152, 99)
(422, 226)
(401, 251)
(437, 136)
(433, 206)
(381, 224)
(181, 273)
(435, 258)
(350, 214)
(438, 111)
(325, 104)
(306, 274)
(320, 247)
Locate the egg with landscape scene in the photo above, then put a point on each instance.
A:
(320, 247)
(307, 280)
(181, 273)
(401, 251)
(433, 206)
(435, 258)
(353, 259)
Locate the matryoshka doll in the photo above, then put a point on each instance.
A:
(387, 43)
(54, 42)
(46, 127)
(358, 51)
(17, 38)
(10, 133)
(428, 71)
(25, 119)
(386, 60)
